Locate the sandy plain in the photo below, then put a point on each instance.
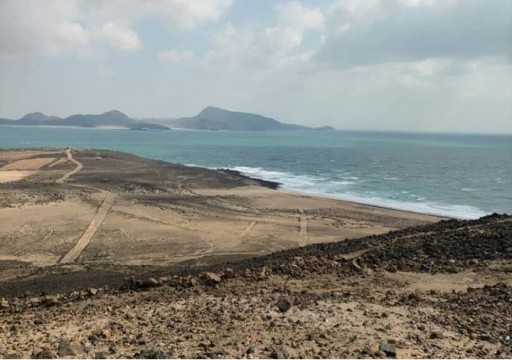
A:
(102, 207)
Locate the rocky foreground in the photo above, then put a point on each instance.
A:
(440, 290)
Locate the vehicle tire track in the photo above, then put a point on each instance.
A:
(35, 242)
(303, 228)
(249, 228)
(96, 221)
(91, 230)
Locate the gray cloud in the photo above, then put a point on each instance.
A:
(399, 33)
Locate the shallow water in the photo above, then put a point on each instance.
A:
(464, 176)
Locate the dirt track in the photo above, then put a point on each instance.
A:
(97, 220)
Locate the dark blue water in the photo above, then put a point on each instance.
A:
(456, 175)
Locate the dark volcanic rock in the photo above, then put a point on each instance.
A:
(279, 352)
(283, 304)
(67, 348)
(388, 349)
(152, 354)
(212, 278)
(437, 335)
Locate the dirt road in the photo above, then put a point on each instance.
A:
(97, 220)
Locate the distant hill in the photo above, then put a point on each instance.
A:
(112, 118)
(213, 118)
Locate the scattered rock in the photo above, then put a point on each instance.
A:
(485, 337)
(4, 304)
(151, 282)
(388, 349)
(283, 304)
(51, 300)
(437, 335)
(34, 301)
(228, 273)
(14, 356)
(152, 354)
(279, 352)
(92, 291)
(44, 354)
(212, 278)
(67, 348)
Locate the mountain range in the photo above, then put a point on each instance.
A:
(112, 118)
(210, 118)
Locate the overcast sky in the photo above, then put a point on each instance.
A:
(418, 65)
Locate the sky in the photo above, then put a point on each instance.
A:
(408, 65)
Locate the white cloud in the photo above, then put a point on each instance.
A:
(267, 47)
(179, 14)
(118, 36)
(379, 31)
(176, 56)
(296, 15)
(36, 27)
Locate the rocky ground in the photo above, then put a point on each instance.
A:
(433, 291)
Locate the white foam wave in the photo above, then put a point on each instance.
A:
(292, 181)
(341, 190)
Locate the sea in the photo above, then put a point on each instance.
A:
(460, 176)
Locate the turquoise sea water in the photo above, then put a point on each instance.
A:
(464, 176)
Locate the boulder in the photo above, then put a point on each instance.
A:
(228, 273)
(150, 283)
(212, 278)
(283, 304)
(92, 291)
(279, 352)
(51, 300)
(388, 349)
(4, 304)
(437, 335)
(68, 348)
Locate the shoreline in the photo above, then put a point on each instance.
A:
(278, 185)
(340, 198)
(154, 212)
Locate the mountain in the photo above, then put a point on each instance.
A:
(37, 118)
(210, 118)
(112, 118)
(213, 118)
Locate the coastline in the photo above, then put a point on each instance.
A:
(277, 185)
(370, 204)
(165, 213)
(166, 249)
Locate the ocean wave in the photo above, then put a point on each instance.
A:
(344, 182)
(289, 180)
(342, 190)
